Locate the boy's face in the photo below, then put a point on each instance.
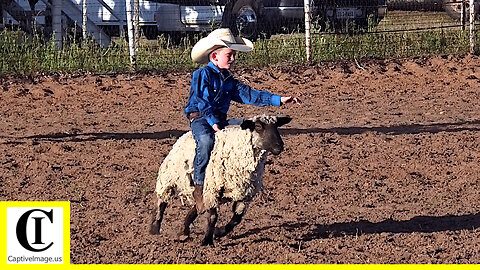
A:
(223, 58)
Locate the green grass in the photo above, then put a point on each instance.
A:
(22, 54)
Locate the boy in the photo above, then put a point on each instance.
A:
(212, 89)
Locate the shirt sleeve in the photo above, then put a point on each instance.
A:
(200, 87)
(246, 95)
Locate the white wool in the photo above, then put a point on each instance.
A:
(267, 119)
(177, 170)
(235, 168)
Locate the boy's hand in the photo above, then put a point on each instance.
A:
(216, 128)
(290, 99)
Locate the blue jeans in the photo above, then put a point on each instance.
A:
(204, 137)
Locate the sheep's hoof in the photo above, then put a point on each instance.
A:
(220, 232)
(209, 243)
(155, 228)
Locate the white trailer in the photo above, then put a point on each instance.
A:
(105, 18)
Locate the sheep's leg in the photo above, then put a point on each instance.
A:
(211, 221)
(239, 209)
(191, 216)
(155, 227)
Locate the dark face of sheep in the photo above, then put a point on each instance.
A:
(265, 131)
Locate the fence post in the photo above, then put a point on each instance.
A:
(472, 26)
(131, 35)
(307, 30)
(57, 22)
(136, 22)
(84, 20)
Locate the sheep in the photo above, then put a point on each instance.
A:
(234, 173)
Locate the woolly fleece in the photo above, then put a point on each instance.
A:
(235, 168)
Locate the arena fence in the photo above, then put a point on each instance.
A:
(126, 35)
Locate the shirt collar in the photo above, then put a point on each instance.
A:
(212, 66)
(224, 73)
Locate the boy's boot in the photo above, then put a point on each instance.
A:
(198, 196)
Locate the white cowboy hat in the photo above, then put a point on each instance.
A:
(222, 37)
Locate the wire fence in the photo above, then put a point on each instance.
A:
(92, 34)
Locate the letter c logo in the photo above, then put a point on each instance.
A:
(22, 230)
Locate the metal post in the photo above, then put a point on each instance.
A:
(472, 26)
(84, 20)
(57, 22)
(131, 34)
(136, 22)
(307, 29)
(462, 14)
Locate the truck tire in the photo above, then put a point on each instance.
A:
(247, 23)
(242, 17)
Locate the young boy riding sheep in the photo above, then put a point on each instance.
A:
(213, 88)
(236, 169)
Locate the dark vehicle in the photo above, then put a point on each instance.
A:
(337, 15)
(454, 8)
(252, 17)
(345, 13)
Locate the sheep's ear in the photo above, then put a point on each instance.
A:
(283, 120)
(248, 124)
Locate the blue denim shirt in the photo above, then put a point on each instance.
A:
(213, 89)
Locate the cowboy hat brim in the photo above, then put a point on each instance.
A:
(201, 50)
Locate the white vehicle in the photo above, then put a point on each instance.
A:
(106, 18)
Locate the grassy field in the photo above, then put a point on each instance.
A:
(400, 34)
(406, 20)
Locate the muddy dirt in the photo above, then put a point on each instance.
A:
(381, 163)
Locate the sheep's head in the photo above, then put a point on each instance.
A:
(265, 132)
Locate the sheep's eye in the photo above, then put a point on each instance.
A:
(258, 126)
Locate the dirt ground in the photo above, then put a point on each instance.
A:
(381, 163)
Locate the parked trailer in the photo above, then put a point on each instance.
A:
(105, 18)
